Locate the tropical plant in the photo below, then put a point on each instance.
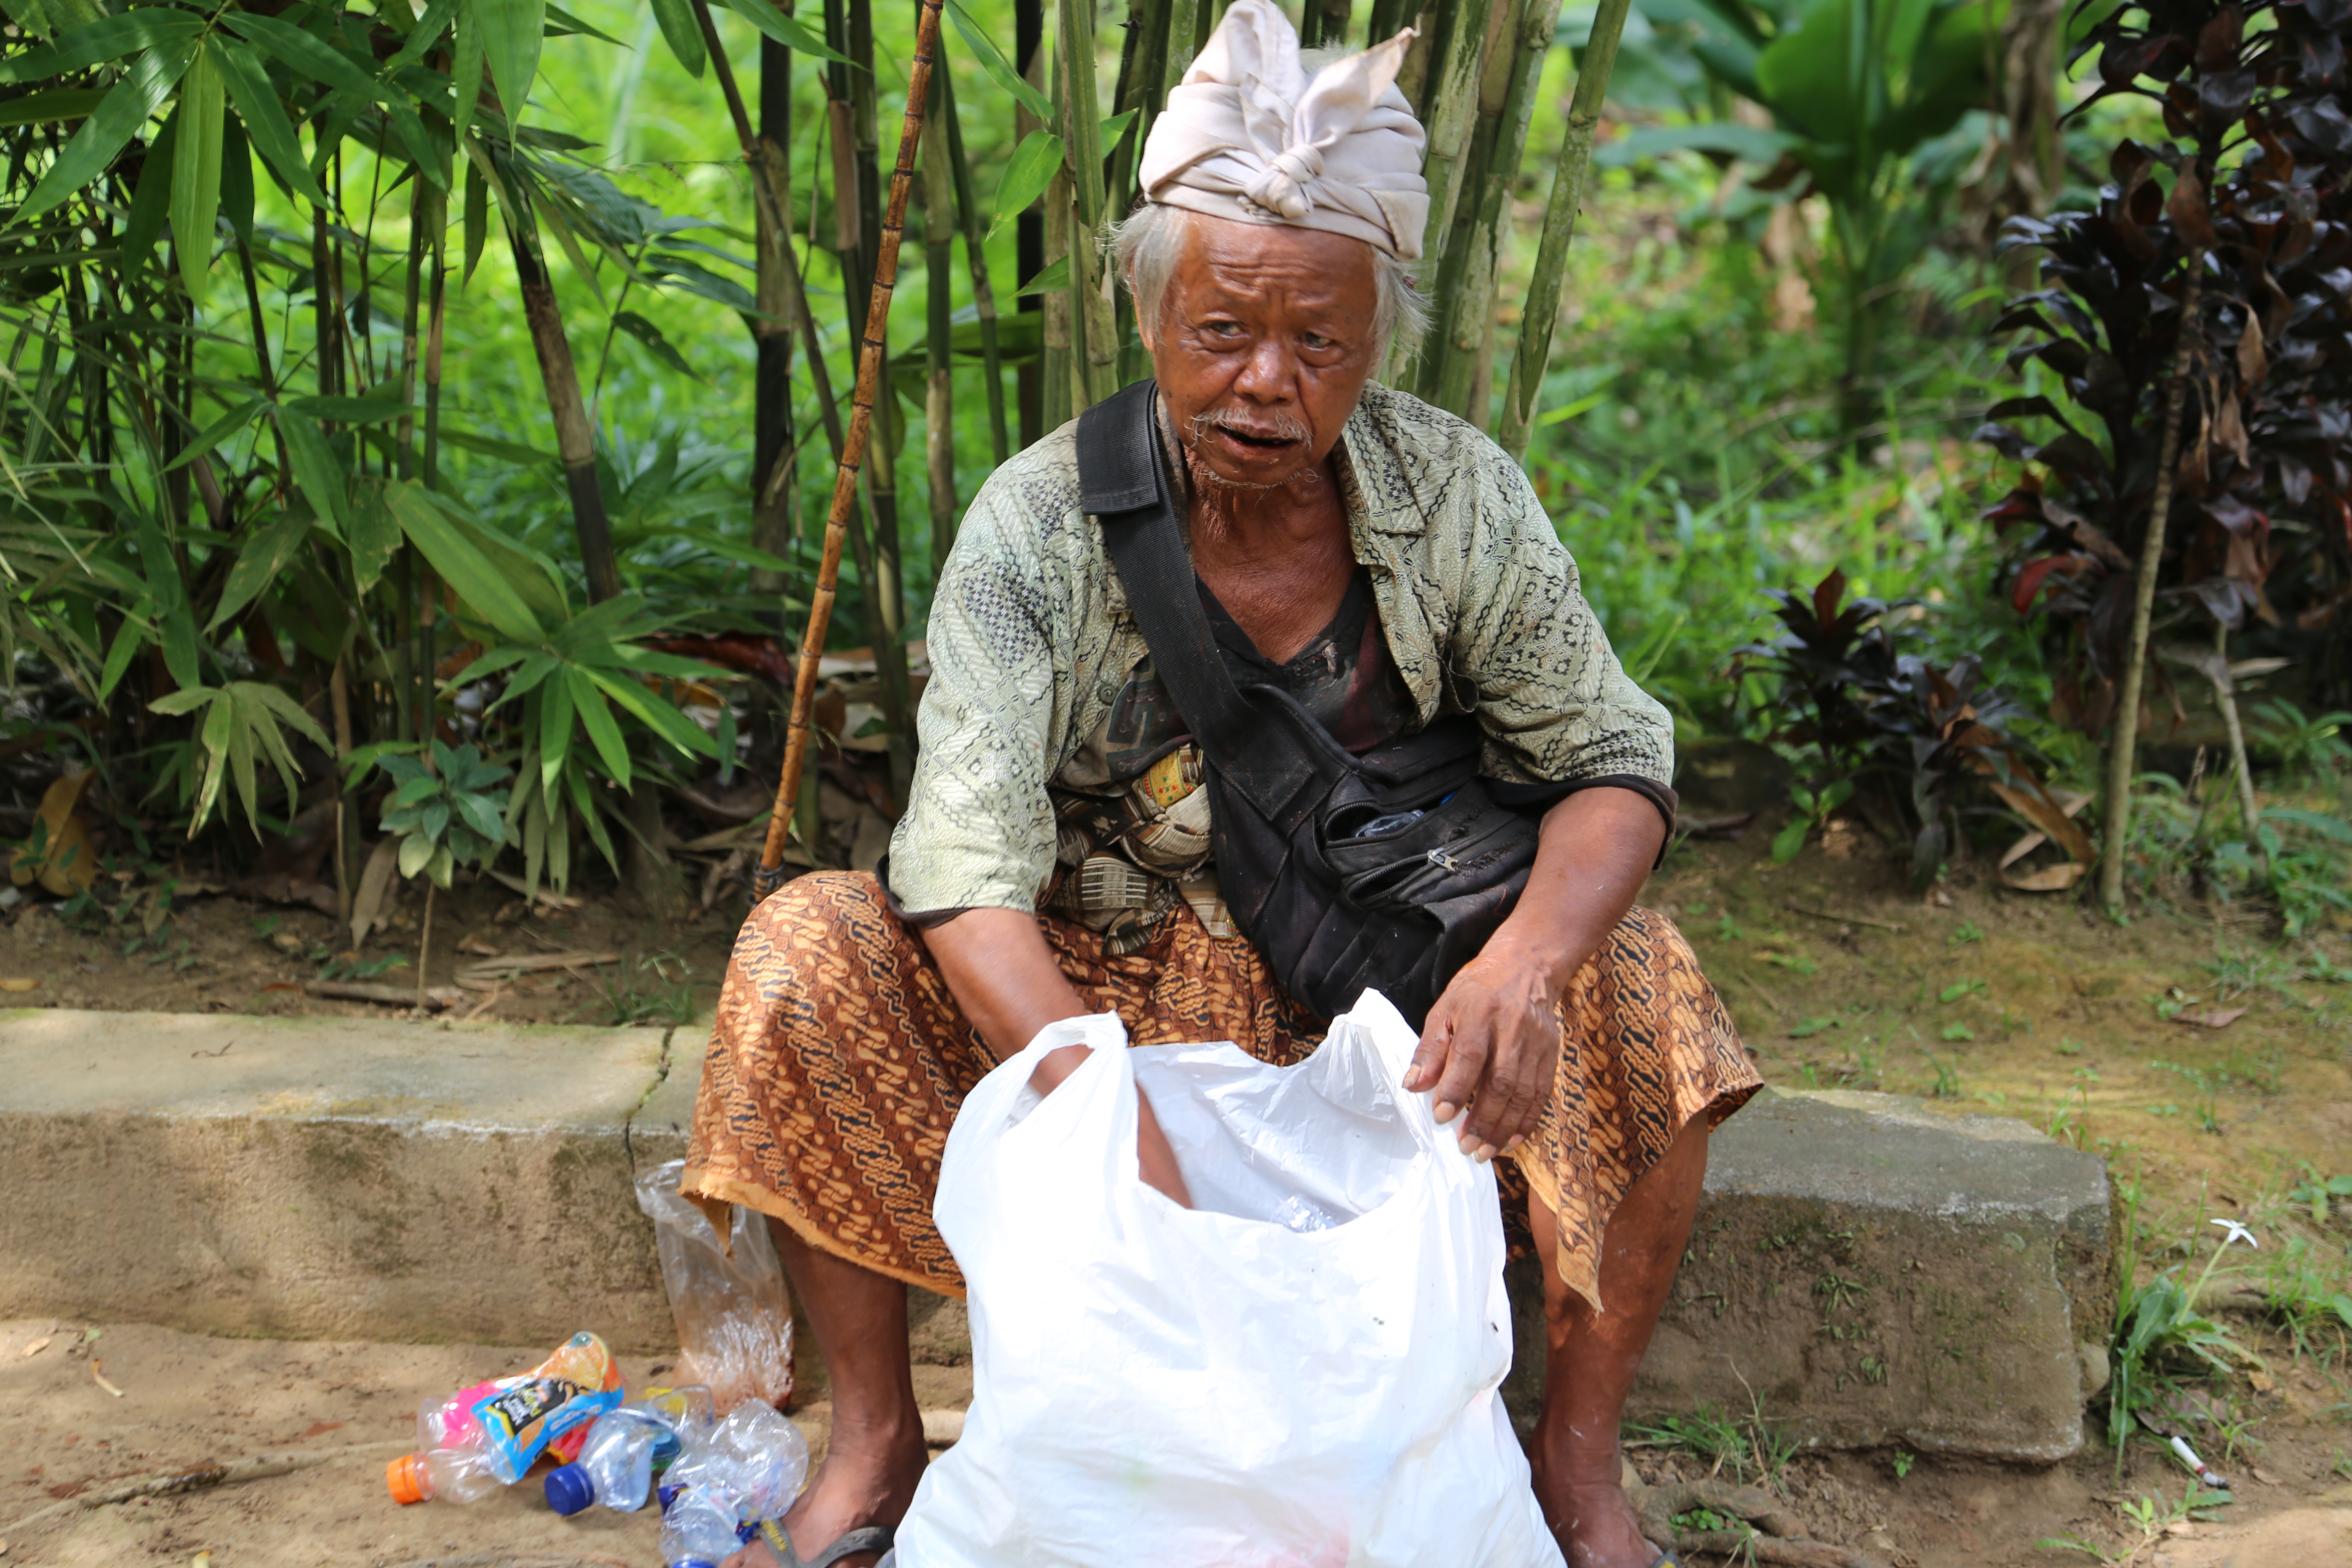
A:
(1858, 91)
(443, 814)
(2191, 473)
(1905, 738)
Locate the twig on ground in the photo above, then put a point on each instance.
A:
(438, 998)
(259, 1467)
(1842, 919)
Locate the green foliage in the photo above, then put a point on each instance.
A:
(243, 720)
(445, 815)
(1753, 1450)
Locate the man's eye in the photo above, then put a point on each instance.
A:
(1316, 341)
(1223, 328)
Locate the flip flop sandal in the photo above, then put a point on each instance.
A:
(864, 1538)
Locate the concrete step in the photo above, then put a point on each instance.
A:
(1866, 1272)
(336, 1178)
(1866, 1269)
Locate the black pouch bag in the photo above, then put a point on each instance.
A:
(1387, 870)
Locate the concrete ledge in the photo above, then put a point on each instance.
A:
(334, 1177)
(1872, 1272)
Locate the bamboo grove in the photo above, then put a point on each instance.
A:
(253, 547)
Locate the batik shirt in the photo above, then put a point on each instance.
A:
(1052, 761)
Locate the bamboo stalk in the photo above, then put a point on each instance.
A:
(1466, 334)
(845, 486)
(1058, 334)
(1452, 114)
(574, 441)
(1093, 336)
(1031, 250)
(939, 392)
(773, 450)
(412, 304)
(1541, 311)
(2121, 754)
(975, 249)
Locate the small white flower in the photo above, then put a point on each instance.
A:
(2236, 1231)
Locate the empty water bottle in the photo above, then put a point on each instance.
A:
(628, 1447)
(1298, 1215)
(748, 1468)
(452, 1462)
(698, 1530)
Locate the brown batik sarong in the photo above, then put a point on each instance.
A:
(840, 1058)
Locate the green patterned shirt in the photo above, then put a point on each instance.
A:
(1031, 644)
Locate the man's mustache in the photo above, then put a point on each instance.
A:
(1270, 427)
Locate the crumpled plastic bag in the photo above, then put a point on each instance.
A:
(734, 1319)
(1301, 1372)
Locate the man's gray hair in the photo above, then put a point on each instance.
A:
(1145, 244)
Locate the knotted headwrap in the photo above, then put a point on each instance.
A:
(1247, 135)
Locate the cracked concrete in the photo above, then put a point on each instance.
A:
(346, 1178)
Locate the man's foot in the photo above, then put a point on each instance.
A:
(869, 1483)
(1589, 1514)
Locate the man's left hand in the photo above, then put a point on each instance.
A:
(1492, 1045)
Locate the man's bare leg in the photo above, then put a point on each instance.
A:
(877, 1454)
(1593, 1356)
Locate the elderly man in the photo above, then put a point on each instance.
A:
(1386, 567)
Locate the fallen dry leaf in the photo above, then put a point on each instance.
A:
(69, 861)
(469, 943)
(368, 909)
(2211, 1017)
(37, 1346)
(14, 985)
(98, 1376)
(2049, 880)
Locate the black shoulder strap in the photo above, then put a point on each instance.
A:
(1121, 484)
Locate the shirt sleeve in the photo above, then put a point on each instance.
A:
(1556, 705)
(978, 831)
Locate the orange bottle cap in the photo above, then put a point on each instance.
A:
(405, 1478)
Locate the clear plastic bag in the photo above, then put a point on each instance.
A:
(734, 1322)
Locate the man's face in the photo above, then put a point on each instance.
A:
(1263, 346)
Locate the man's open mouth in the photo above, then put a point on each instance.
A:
(1265, 441)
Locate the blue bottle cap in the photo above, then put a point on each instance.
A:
(667, 1494)
(569, 1489)
(693, 1563)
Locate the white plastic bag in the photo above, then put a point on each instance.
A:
(734, 1322)
(1161, 1388)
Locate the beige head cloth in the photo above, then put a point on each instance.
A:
(1247, 135)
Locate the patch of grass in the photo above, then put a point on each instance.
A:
(646, 991)
(1752, 1450)
(2147, 1518)
(1947, 1084)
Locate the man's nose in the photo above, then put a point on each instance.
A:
(1269, 374)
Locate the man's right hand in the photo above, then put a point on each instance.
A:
(1006, 980)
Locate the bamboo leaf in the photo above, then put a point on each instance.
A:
(664, 719)
(555, 717)
(1114, 127)
(792, 34)
(464, 568)
(1033, 167)
(117, 116)
(196, 172)
(648, 334)
(466, 71)
(424, 35)
(214, 737)
(108, 39)
(1056, 277)
(561, 23)
(265, 117)
(348, 410)
(375, 534)
(50, 106)
(596, 717)
(236, 179)
(511, 34)
(264, 555)
(285, 708)
(999, 69)
(127, 640)
(170, 595)
(477, 219)
(153, 199)
(678, 29)
(316, 470)
(306, 53)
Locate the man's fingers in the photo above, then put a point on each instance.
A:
(1428, 1056)
(1465, 1065)
(1489, 1123)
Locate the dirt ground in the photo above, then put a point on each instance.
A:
(2130, 1041)
(189, 1401)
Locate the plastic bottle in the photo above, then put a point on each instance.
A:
(486, 1436)
(1298, 1215)
(749, 1469)
(628, 1447)
(452, 1462)
(698, 1530)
